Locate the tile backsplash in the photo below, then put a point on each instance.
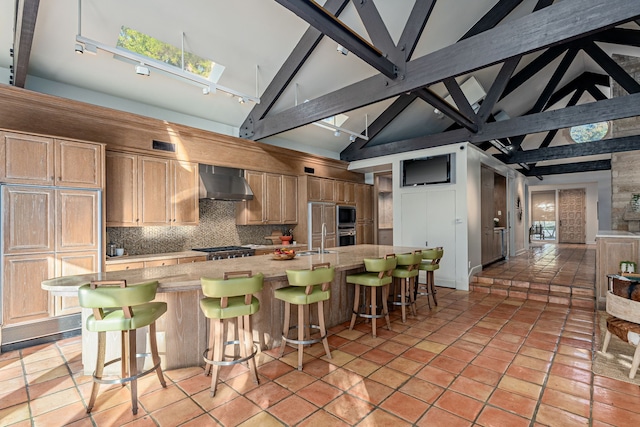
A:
(217, 228)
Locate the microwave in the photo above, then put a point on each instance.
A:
(346, 216)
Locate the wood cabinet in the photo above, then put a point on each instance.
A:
(39, 160)
(493, 205)
(345, 192)
(364, 214)
(609, 252)
(48, 232)
(275, 200)
(191, 259)
(323, 213)
(23, 298)
(154, 263)
(321, 189)
(124, 266)
(146, 191)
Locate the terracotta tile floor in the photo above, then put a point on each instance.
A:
(476, 360)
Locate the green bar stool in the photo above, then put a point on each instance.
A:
(306, 287)
(378, 274)
(118, 307)
(406, 272)
(430, 263)
(230, 298)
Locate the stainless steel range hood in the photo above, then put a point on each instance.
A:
(222, 183)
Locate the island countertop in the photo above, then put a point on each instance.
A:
(186, 277)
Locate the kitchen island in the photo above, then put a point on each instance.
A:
(182, 331)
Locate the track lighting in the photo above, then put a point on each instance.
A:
(241, 100)
(206, 90)
(352, 138)
(343, 50)
(336, 133)
(79, 49)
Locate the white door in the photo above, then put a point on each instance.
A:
(428, 220)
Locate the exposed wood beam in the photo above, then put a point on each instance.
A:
(384, 119)
(329, 25)
(533, 68)
(288, 71)
(552, 134)
(612, 68)
(436, 101)
(608, 109)
(597, 165)
(550, 87)
(26, 16)
(605, 146)
(585, 80)
(596, 93)
(461, 100)
(498, 86)
(492, 18)
(570, 19)
(414, 26)
(377, 30)
(542, 4)
(410, 36)
(621, 36)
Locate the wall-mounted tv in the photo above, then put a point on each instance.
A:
(426, 171)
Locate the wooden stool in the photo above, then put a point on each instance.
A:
(230, 298)
(118, 307)
(406, 272)
(430, 263)
(307, 287)
(378, 274)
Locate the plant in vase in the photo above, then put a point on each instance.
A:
(635, 202)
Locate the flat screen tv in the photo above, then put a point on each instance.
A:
(426, 171)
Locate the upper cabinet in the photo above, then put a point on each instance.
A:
(320, 189)
(38, 160)
(145, 190)
(275, 200)
(345, 192)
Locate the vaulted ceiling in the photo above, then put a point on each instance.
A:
(546, 64)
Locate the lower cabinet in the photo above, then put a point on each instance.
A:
(154, 263)
(71, 264)
(23, 298)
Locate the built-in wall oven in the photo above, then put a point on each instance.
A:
(346, 222)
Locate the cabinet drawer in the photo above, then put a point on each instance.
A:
(191, 259)
(160, 262)
(124, 266)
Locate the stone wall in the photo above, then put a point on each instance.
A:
(625, 167)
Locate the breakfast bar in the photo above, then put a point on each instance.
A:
(182, 331)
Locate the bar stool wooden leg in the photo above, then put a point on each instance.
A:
(124, 355)
(374, 310)
(211, 342)
(153, 342)
(323, 329)
(385, 295)
(102, 345)
(133, 369)
(635, 363)
(412, 298)
(242, 338)
(285, 328)
(301, 328)
(403, 298)
(607, 340)
(356, 303)
(217, 352)
(248, 340)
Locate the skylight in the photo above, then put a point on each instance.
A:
(144, 44)
(590, 132)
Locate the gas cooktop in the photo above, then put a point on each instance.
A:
(222, 249)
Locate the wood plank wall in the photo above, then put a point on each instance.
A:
(33, 112)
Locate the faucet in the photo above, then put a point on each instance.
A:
(323, 234)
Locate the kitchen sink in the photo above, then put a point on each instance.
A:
(307, 253)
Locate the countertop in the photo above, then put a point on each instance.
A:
(186, 277)
(617, 233)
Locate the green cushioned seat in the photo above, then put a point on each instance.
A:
(306, 287)
(122, 308)
(234, 290)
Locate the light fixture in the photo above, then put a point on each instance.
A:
(336, 133)
(472, 90)
(79, 49)
(142, 70)
(343, 50)
(241, 100)
(352, 138)
(206, 90)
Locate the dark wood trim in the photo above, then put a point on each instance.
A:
(608, 109)
(288, 71)
(621, 36)
(26, 16)
(493, 17)
(377, 31)
(547, 92)
(415, 25)
(606, 146)
(539, 171)
(498, 86)
(524, 35)
(533, 68)
(612, 68)
(461, 101)
(320, 18)
(436, 101)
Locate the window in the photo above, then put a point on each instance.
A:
(152, 48)
(590, 132)
(543, 215)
